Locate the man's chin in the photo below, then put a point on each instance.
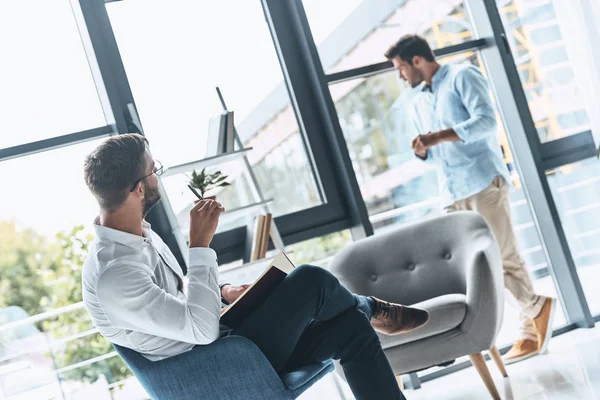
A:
(149, 207)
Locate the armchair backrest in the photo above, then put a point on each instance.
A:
(415, 263)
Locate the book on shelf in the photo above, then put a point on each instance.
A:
(237, 312)
(266, 234)
(230, 133)
(212, 143)
(217, 135)
(223, 133)
(257, 237)
(261, 235)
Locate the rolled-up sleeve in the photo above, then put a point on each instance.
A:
(132, 300)
(474, 92)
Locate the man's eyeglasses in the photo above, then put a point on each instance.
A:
(158, 170)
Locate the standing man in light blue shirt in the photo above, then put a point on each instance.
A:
(459, 135)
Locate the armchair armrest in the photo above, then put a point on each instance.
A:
(485, 289)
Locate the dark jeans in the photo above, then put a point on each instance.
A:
(310, 318)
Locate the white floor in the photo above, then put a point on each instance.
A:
(570, 370)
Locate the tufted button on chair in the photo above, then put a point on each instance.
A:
(450, 266)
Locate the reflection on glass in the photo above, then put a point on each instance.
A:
(576, 191)
(173, 70)
(551, 65)
(349, 34)
(46, 85)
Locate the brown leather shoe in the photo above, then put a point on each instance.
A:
(393, 319)
(543, 324)
(521, 350)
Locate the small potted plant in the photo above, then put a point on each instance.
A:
(205, 182)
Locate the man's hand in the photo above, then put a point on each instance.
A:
(204, 218)
(429, 140)
(418, 147)
(231, 293)
(422, 143)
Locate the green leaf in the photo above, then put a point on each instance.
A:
(220, 179)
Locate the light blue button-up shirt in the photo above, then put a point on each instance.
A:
(460, 100)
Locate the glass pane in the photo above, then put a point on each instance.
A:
(173, 69)
(45, 230)
(47, 87)
(576, 191)
(350, 34)
(317, 251)
(555, 68)
(376, 118)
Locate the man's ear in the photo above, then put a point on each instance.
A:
(416, 61)
(139, 189)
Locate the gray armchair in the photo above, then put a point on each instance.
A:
(450, 266)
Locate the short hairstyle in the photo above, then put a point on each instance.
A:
(112, 168)
(410, 46)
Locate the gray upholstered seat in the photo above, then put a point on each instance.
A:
(450, 266)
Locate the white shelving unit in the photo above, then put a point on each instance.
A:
(249, 210)
(206, 162)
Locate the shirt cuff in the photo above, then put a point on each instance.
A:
(461, 130)
(427, 159)
(422, 158)
(202, 256)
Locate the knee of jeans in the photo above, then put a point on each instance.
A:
(314, 276)
(356, 322)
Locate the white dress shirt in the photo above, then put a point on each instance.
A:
(134, 293)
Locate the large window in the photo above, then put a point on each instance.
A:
(555, 53)
(45, 229)
(175, 54)
(46, 86)
(553, 64)
(352, 34)
(576, 191)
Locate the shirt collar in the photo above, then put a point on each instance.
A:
(127, 239)
(439, 75)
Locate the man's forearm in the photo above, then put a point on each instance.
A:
(446, 135)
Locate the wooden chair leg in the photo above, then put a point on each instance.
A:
(400, 382)
(479, 363)
(495, 354)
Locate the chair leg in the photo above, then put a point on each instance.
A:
(479, 363)
(400, 382)
(495, 354)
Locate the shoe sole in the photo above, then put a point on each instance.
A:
(508, 361)
(544, 348)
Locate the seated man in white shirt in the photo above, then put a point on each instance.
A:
(134, 292)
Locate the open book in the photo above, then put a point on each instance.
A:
(234, 315)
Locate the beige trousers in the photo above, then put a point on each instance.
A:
(494, 205)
